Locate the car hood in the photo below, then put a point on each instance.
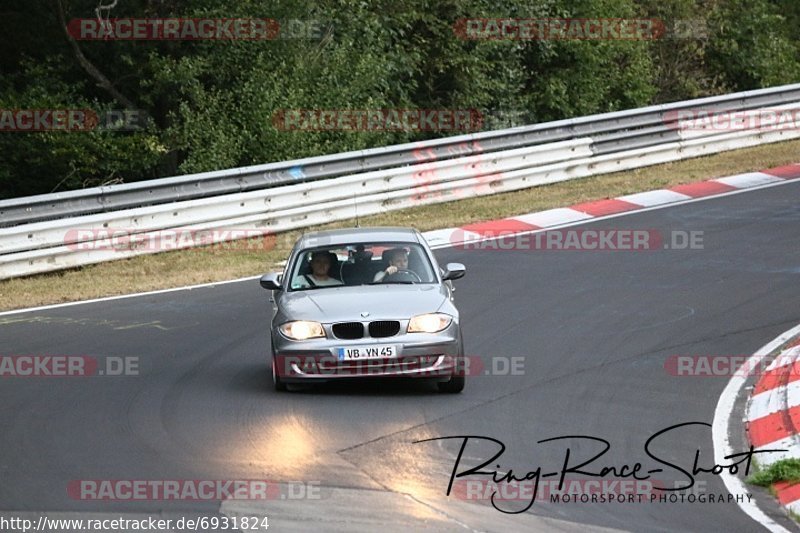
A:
(341, 304)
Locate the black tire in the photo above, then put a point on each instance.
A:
(455, 385)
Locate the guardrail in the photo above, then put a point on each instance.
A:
(646, 126)
(51, 232)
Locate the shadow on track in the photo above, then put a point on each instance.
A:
(257, 379)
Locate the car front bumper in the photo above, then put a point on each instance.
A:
(436, 356)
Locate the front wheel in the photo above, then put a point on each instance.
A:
(456, 384)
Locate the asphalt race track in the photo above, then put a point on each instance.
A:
(594, 329)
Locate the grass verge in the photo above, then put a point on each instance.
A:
(783, 470)
(189, 267)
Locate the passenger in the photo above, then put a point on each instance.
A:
(321, 262)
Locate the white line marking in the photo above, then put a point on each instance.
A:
(751, 179)
(657, 197)
(790, 444)
(439, 236)
(787, 357)
(553, 217)
(772, 401)
(794, 506)
(445, 245)
(722, 444)
(459, 236)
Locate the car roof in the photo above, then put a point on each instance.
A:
(357, 235)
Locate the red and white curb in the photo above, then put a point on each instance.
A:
(773, 417)
(552, 218)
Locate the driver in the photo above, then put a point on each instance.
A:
(398, 260)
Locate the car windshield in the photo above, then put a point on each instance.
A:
(361, 264)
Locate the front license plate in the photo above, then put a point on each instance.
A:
(360, 353)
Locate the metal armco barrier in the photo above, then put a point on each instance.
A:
(55, 231)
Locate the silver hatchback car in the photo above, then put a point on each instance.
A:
(365, 303)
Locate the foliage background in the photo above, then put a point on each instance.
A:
(211, 102)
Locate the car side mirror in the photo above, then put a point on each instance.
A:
(454, 271)
(271, 281)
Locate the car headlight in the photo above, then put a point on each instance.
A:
(429, 323)
(301, 330)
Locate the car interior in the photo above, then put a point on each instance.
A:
(358, 265)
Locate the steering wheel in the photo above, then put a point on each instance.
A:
(402, 275)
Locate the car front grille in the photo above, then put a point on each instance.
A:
(377, 329)
(348, 330)
(384, 328)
